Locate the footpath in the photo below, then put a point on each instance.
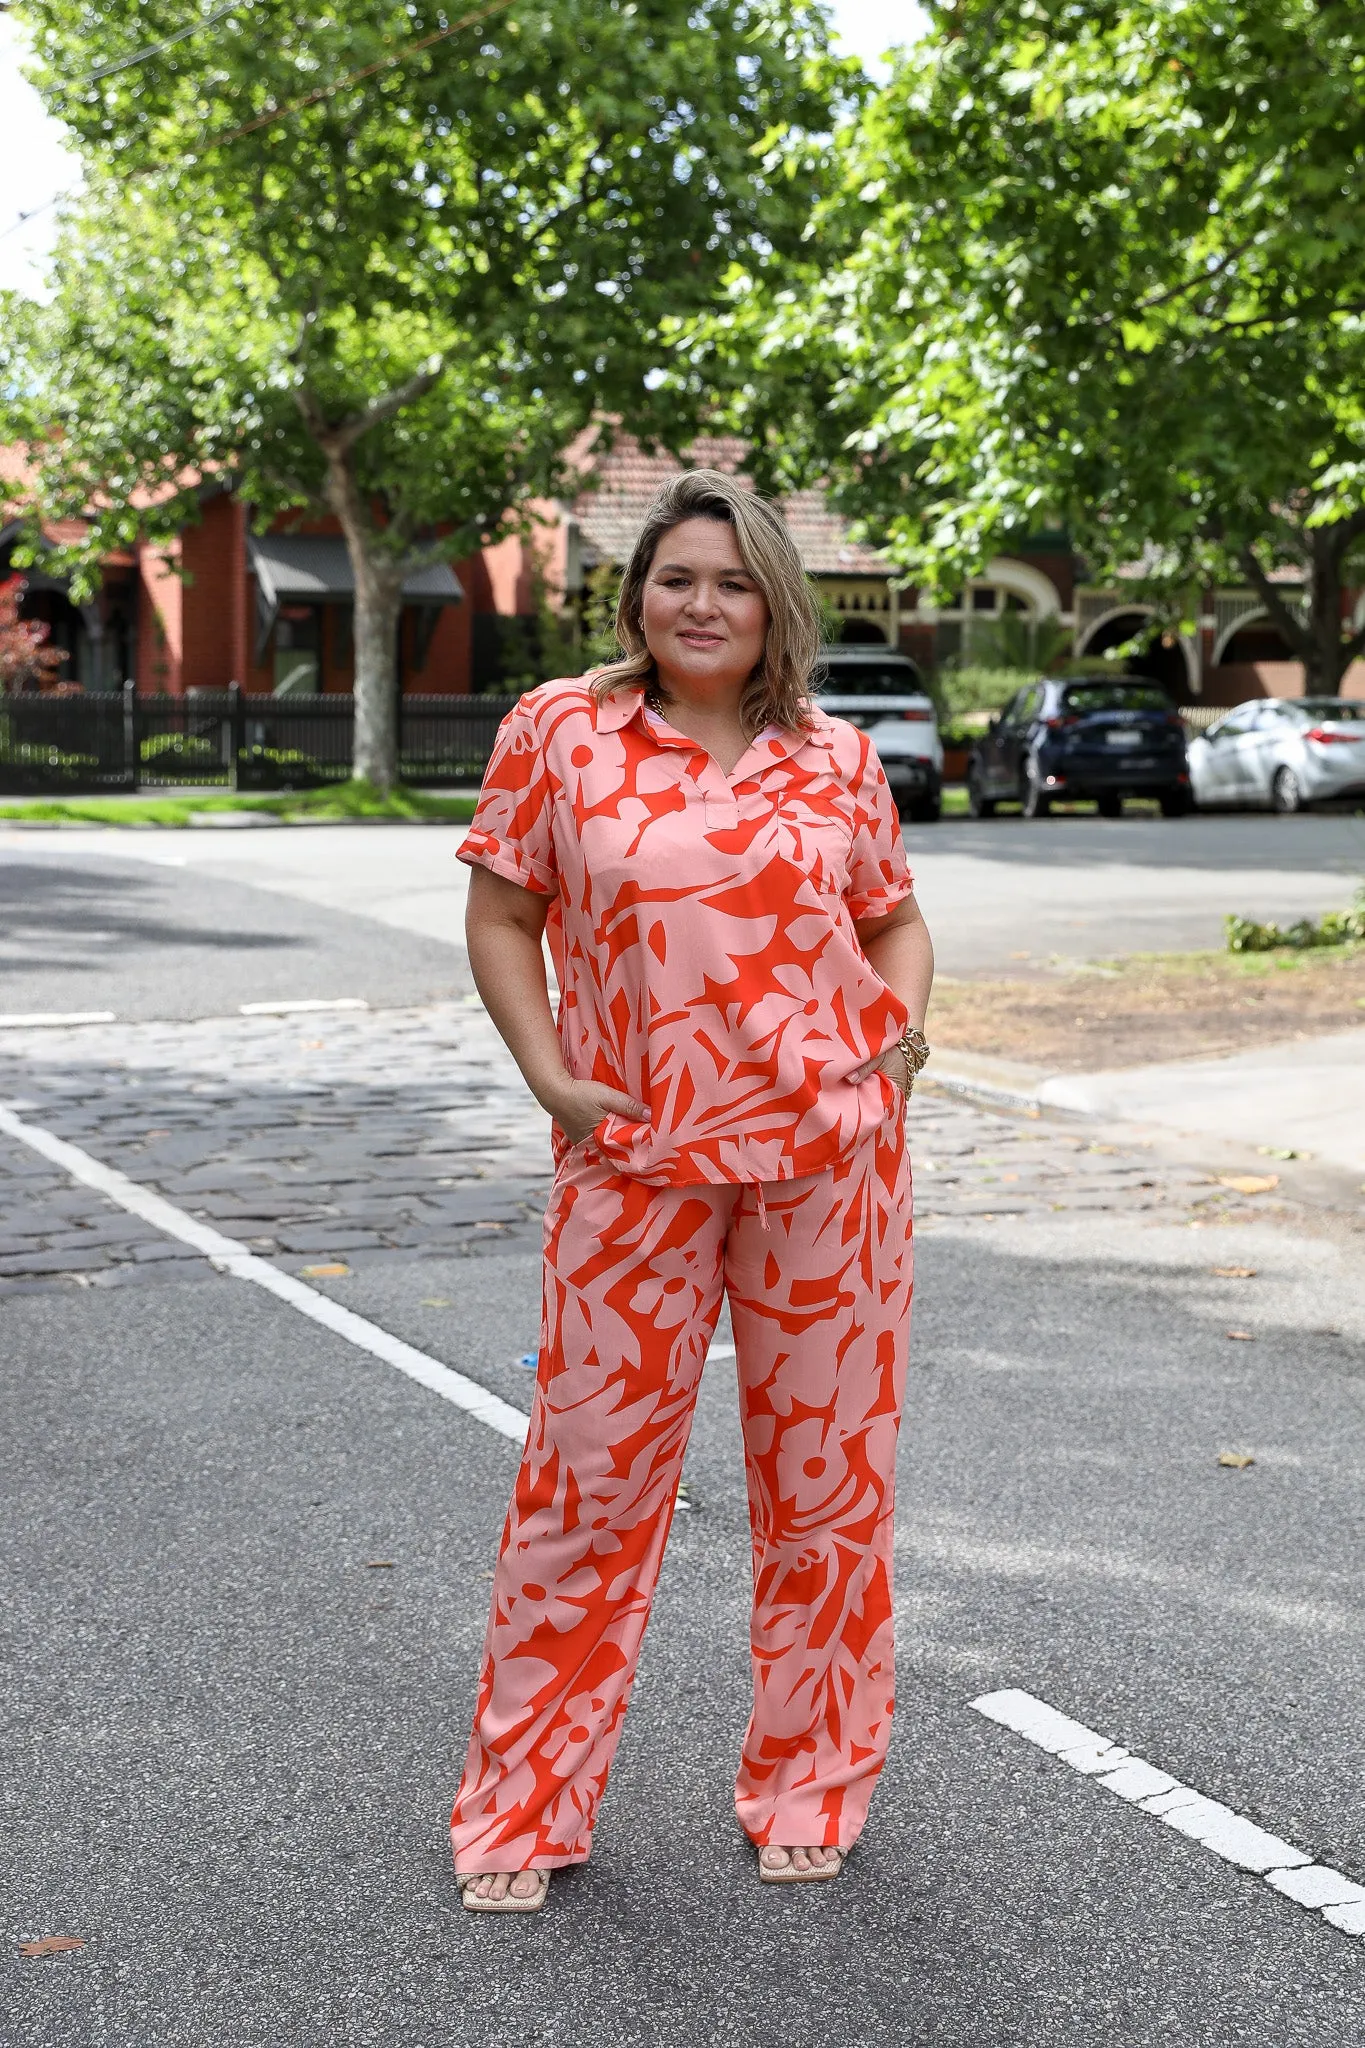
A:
(1294, 1111)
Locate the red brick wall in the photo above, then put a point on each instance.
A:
(1235, 682)
(214, 556)
(159, 621)
(446, 670)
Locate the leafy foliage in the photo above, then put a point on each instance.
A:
(1334, 928)
(395, 296)
(1102, 266)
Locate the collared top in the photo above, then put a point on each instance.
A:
(703, 927)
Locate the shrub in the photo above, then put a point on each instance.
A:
(1336, 928)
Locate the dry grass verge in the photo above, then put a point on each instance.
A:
(1131, 1012)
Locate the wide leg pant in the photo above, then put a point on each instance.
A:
(818, 1274)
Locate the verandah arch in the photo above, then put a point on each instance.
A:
(1169, 659)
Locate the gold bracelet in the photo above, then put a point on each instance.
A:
(914, 1048)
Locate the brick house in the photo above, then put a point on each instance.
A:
(1237, 652)
(273, 612)
(223, 605)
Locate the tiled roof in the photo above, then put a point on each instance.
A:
(611, 515)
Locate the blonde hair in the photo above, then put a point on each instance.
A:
(778, 691)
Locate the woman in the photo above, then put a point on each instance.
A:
(743, 979)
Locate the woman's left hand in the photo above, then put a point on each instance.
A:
(892, 1063)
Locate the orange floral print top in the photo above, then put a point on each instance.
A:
(702, 927)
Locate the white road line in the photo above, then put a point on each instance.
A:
(306, 1003)
(229, 1257)
(1290, 1871)
(25, 1021)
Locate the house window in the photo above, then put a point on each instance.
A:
(298, 642)
(984, 598)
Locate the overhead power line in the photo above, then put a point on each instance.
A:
(323, 92)
(31, 214)
(142, 56)
(310, 99)
(154, 49)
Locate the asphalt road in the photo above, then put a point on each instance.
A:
(104, 930)
(247, 1565)
(1075, 886)
(235, 1741)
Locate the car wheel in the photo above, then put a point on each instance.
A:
(1110, 805)
(979, 805)
(1035, 802)
(1286, 792)
(1175, 803)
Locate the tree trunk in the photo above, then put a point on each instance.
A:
(378, 608)
(1318, 638)
(1327, 663)
(378, 570)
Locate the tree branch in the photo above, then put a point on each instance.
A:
(1298, 636)
(1176, 291)
(336, 438)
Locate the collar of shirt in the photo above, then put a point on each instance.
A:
(775, 744)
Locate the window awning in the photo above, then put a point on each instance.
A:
(315, 568)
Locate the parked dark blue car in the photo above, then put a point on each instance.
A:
(1090, 739)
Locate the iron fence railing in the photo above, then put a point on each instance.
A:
(227, 739)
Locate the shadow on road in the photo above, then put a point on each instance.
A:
(122, 908)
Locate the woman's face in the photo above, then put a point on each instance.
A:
(705, 619)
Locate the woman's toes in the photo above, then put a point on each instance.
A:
(775, 1859)
(524, 1885)
(801, 1859)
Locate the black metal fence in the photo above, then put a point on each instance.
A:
(227, 739)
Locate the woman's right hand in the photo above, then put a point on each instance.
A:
(578, 1107)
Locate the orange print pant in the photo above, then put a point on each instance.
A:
(818, 1274)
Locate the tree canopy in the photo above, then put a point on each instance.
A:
(384, 260)
(1094, 265)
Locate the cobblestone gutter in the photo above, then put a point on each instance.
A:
(402, 1133)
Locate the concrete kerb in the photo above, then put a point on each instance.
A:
(1017, 1089)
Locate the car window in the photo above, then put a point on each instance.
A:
(1333, 709)
(1014, 710)
(1236, 723)
(1032, 704)
(1083, 698)
(869, 679)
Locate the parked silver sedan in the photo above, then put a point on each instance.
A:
(1281, 754)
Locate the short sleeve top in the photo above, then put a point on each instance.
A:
(703, 927)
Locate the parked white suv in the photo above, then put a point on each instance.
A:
(881, 692)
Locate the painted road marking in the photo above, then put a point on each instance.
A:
(306, 1003)
(228, 1256)
(23, 1021)
(1289, 1871)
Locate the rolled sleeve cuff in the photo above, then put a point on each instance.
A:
(879, 902)
(485, 850)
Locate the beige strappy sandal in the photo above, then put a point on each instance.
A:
(789, 1874)
(507, 1904)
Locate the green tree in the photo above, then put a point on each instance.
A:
(382, 262)
(1102, 265)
